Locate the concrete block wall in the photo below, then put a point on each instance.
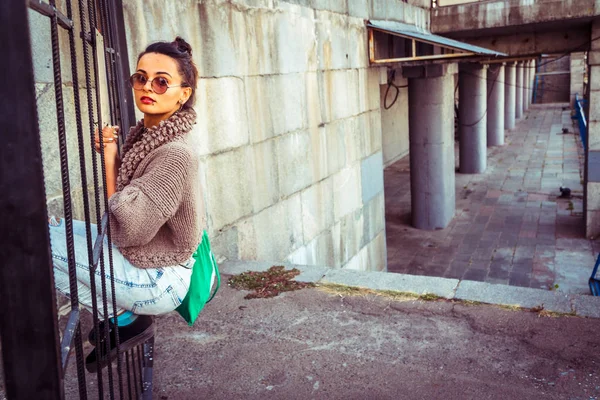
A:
(290, 123)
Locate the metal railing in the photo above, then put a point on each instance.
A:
(34, 356)
(582, 121)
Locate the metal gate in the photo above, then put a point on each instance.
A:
(90, 36)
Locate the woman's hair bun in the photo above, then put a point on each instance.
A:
(182, 45)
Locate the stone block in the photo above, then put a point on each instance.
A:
(336, 6)
(595, 45)
(313, 105)
(287, 98)
(222, 117)
(375, 131)
(371, 169)
(225, 244)
(318, 150)
(221, 31)
(592, 223)
(319, 251)
(274, 233)
(293, 39)
(354, 138)
(346, 191)
(359, 8)
(587, 306)
(377, 253)
(339, 94)
(276, 105)
(593, 166)
(317, 209)
(265, 190)
(374, 218)
(395, 10)
(594, 135)
(348, 237)
(229, 186)
(397, 282)
(593, 196)
(373, 89)
(336, 146)
(294, 162)
(513, 296)
(420, 17)
(394, 124)
(594, 78)
(360, 262)
(356, 32)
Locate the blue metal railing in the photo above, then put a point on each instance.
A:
(580, 115)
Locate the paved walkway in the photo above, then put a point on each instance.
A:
(510, 226)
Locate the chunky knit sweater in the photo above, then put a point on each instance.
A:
(157, 213)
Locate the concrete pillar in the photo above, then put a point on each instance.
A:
(495, 105)
(591, 202)
(577, 74)
(472, 122)
(509, 96)
(519, 91)
(526, 84)
(532, 71)
(431, 133)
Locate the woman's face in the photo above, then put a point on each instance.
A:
(154, 66)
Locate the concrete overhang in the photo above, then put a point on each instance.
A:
(504, 14)
(413, 44)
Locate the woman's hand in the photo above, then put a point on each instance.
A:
(111, 156)
(109, 140)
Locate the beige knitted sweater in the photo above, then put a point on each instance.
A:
(157, 213)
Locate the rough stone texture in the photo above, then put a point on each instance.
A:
(578, 69)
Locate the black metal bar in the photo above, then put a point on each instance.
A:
(68, 336)
(136, 372)
(98, 245)
(97, 85)
(87, 40)
(128, 370)
(66, 189)
(31, 358)
(49, 10)
(147, 369)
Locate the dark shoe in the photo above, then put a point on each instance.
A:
(130, 336)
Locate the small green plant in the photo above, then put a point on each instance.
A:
(570, 206)
(268, 283)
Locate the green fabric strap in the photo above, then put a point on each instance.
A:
(199, 292)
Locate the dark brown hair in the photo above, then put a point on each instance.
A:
(181, 52)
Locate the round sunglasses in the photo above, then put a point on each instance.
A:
(159, 84)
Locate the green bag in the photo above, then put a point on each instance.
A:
(199, 292)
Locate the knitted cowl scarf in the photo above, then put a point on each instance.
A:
(142, 141)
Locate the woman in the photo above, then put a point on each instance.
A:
(155, 204)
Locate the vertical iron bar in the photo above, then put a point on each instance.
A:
(134, 370)
(90, 102)
(127, 364)
(66, 186)
(82, 164)
(31, 358)
(147, 370)
(92, 15)
(140, 351)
